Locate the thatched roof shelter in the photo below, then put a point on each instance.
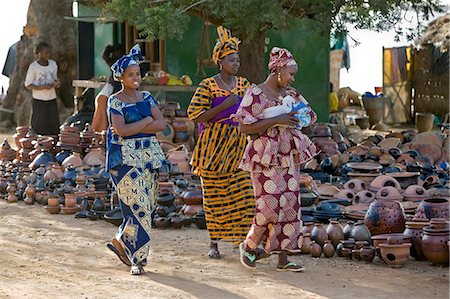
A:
(437, 33)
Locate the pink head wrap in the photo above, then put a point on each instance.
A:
(280, 57)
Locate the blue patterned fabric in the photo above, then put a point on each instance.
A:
(137, 192)
(132, 58)
(139, 150)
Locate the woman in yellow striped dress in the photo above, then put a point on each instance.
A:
(228, 198)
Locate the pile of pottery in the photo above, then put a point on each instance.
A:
(180, 130)
(6, 152)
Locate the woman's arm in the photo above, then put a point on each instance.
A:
(158, 123)
(262, 125)
(100, 120)
(123, 129)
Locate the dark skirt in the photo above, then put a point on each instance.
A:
(44, 117)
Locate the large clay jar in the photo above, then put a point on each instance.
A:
(384, 217)
(307, 227)
(335, 232)
(319, 234)
(347, 229)
(433, 208)
(360, 232)
(179, 156)
(74, 160)
(328, 249)
(315, 249)
(414, 230)
(435, 242)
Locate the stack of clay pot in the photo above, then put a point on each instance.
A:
(69, 138)
(86, 137)
(179, 129)
(25, 144)
(322, 138)
(435, 241)
(6, 152)
(395, 251)
(308, 196)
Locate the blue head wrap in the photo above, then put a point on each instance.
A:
(132, 58)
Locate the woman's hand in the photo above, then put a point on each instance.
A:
(287, 119)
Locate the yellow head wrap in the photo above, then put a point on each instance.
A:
(225, 45)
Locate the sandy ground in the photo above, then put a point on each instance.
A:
(58, 256)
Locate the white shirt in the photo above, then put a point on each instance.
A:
(42, 75)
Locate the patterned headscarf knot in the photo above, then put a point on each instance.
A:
(226, 44)
(280, 57)
(132, 58)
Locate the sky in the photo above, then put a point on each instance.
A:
(366, 59)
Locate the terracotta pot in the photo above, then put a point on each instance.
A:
(364, 198)
(367, 253)
(328, 249)
(179, 125)
(335, 232)
(191, 210)
(166, 135)
(383, 181)
(385, 216)
(415, 192)
(315, 249)
(180, 157)
(355, 185)
(70, 200)
(74, 160)
(347, 229)
(307, 228)
(395, 255)
(433, 208)
(435, 240)
(414, 229)
(360, 232)
(345, 194)
(319, 234)
(192, 197)
(321, 130)
(339, 248)
(53, 201)
(362, 122)
(389, 193)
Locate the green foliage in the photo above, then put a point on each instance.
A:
(169, 18)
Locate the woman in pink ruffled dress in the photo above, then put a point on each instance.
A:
(273, 156)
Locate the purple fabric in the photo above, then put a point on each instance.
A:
(222, 116)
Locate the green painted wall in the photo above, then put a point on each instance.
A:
(103, 36)
(310, 47)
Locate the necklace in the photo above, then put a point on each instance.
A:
(280, 97)
(223, 82)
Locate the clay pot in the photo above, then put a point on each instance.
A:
(306, 243)
(347, 229)
(319, 234)
(29, 190)
(383, 181)
(355, 185)
(395, 255)
(74, 160)
(321, 130)
(367, 253)
(328, 249)
(360, 232)
(414, 229)
(363, 122)
(435, 240)
(191, 210)
(415, 192)
(70, 200)
(345, 195)
(162, 222)
(388, 193)
(335, 232)
(433, 208)
(315, 249)
(192, 197)
(180, 157)
(364, 198)
(307, 228)
(166, 135)
(53, 201)
(385, 216)
(339, 248)
(179, 125)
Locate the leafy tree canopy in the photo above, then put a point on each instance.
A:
(169, 18)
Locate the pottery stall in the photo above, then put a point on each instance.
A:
(68, 175)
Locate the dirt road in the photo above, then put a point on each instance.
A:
(58, 256)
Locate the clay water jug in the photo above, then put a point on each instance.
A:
(319, 234)
(315, 249)
(328, 249)
(335, 232)
(347, 229)
(306, 243)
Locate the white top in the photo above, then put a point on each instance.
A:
(107, 90)
(42, 75)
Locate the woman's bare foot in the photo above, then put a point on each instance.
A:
(214, 251)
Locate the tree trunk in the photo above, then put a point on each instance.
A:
(251, 52)
(45, 22)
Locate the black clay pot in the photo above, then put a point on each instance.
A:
(114, 216)
(327, 165)
(166, 199)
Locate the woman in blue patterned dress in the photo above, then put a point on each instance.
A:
(133, 157)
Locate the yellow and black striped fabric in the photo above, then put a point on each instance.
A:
(220, 146)
(229, 205)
